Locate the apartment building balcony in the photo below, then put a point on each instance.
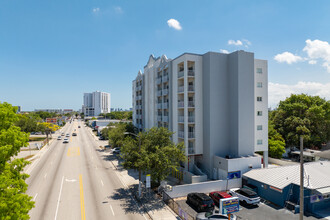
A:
(181, 134)
(165, 91)
(191, 134)
(159, 105)
(165, 78)
(138, 116)
(180, 104)
(191, 119)
(159, 118)
(180, 89)
(191, 150)
(165, 119)
(191, 72)
(191, 104)
(181, 119)
(138, 88)
(159, 93)
(138, 97)
(158, 80)
(165, 105)
(180, 74)
(191, 88)
(139, 126)
(138, 107)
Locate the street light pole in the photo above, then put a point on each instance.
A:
(301, 211)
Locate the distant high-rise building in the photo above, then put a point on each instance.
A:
(96, 103)
(215, 103)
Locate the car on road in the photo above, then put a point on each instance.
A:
(116, 150)
(200, 202)
(59, 138)
(66, 140)
(79, 126)
(62, 134)
(214, 215)
(217, 195)
(67, 135)
(245, 195)
(74, 134)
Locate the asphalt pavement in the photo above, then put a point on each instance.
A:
(73, 181)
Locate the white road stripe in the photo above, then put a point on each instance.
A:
(35, 197)
(59, 197)
(112, 210)
(102, 183)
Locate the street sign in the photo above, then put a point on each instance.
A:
(234, 175)
(229, 205)
(148, 185)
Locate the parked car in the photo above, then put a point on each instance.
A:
(67, 135)
(200, 202)
(245, 195)
(214, 215)
(66, 140)
(62, 134)
(74, 134)
(116, 150)
(79, 126)
(59, 138)
(217, 195)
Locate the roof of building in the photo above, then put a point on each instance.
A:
(316, 175)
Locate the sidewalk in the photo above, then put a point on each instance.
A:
(152, 204)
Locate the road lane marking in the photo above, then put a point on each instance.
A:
(35, 197)
(72, 181)
(112, 210)
(45, 176)
(102, 183)
(73, 151)
(59, 197)
(82, 202)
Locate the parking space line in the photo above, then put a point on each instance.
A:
(35, 197)
(113, 213)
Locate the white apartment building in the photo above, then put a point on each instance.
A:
(217, 104)
(96, 103)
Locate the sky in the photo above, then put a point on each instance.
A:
(51, 52)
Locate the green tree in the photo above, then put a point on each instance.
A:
(27, 123)
(117, 135)
(303, 115)
(14, 203)
(158, 155)
(276, 143)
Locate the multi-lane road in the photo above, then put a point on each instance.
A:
(74, 181)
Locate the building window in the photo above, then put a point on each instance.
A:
(259, 84)
(259, 99)
(259, 70)
(259, 142)
(259, 127)
(259, 113)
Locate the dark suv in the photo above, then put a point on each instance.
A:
(201, 202)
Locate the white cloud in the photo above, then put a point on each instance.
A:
(287, 57)
(246, 43)
(224, 51)
(236, 43)
(96, 10)
(278, 92)
(312, 62)
(174, 24)
(118, 10)
(318, 50)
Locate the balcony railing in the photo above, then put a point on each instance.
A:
(191, 104)
(165, 78)
(180, 88)
(191, 88)
(191, 119)
(138, 107)
(181, 134)
(159, 118)
(159, 105)
(138, 88)
(191, 150)
(181, 119)
(159, 80)
(191, 73)
(180, 104)
(191, 134)
(139, 97)
(165, 118)
(165, 105)
(159, 93)
(180, 74)
(165, 91)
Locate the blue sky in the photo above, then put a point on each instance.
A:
(51, 52)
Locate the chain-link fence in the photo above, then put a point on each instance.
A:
(176, 207)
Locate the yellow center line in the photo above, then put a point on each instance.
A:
(69, 149)
(82, 203)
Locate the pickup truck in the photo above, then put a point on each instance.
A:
(245, 195)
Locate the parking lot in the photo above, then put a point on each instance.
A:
(263, 211)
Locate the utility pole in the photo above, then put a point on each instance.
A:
(301, 211)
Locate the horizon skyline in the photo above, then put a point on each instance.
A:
(53, 52)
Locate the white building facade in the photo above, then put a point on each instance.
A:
(212, 103)
(96, 103)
